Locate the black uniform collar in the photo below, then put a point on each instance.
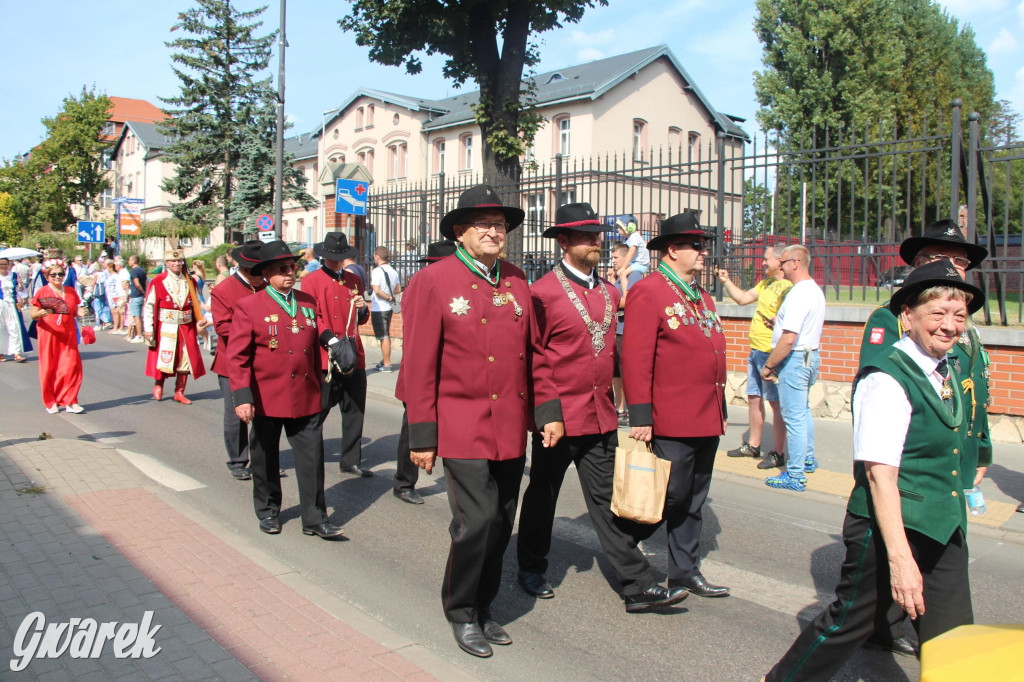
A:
(573, 277)
(331, 273)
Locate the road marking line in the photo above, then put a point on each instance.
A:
(161, 473)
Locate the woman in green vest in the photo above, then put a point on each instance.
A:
(906, 520)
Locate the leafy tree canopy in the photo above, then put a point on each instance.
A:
(842, 64)
(487, 41)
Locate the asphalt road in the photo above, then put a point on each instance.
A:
(779, 552)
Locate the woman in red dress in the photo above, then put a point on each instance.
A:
(54, 308)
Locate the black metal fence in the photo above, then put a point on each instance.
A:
(850, 196)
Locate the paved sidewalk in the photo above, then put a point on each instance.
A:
(86, 535)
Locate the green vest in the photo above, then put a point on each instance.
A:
(970, 360)
(880, 333)
(931, 482)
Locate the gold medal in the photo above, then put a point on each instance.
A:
(273, 343)
(678, 308)
(673, 323)
(669, 311)
(295, 326)
(266, 319)
(273, 318)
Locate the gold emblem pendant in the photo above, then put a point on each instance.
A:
(273, 343)
(673, 323)
(459, 306)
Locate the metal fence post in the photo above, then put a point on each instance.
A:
(440, 197)
(720, 227)
(558, 181)
(956, 142)
(972, 177)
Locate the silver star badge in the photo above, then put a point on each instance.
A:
(460, 306)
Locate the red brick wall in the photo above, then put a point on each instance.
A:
(840, 347)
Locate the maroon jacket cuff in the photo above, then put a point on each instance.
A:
(242, 396)
(641, 415)
(547, 412)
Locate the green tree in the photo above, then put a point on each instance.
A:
(67, 169)
(10, 232)
(254, 194)
(487, 41)
(219, 63)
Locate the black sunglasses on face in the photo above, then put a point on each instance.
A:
(56, 274)
(696, 245)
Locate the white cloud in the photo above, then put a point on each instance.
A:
(1003, 42)
(589, 54)
(965, 8)
(1016, 95)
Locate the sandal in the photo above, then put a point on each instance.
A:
(19, 358)
(3, 358)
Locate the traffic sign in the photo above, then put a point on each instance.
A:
(267, 237)
(265, 223)
(350, 197)
(91, 232)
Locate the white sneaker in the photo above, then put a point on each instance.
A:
(53, 409)
(74, 409)
(136, 339)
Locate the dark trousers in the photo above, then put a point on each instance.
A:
(483, 495)
(406, 473)
(594, 456)
(693, 460)
(306, 438)
(236, 435)
(863, 597)
(350, 393)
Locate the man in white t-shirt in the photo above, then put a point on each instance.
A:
(794, 363)
(386, 286)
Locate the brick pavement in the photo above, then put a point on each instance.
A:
(100, 542)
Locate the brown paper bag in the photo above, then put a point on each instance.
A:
(640, 485)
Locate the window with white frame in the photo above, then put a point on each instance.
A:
(107, 198)
(533, 204)
(369, 115)
(109, 129)
(693, 144)
(639, 139)
(439, 156)
(396, 160)
(359, 118)
(564, 124)
(466, 157)
(365, 159)
(675, 138)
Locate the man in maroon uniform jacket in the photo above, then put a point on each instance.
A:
(169, 320)
(274, 369)
(467, 367)
(673, 372)
(406, 472)
(336, 292)
(575, 312)
(223, 298)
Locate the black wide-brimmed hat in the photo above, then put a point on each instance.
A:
(438, 250)
(273, 252)
(942, 232)
(479, 198)
(579, 216)
(248, 254)
(681, 225)
(335, 246)
(938, 273)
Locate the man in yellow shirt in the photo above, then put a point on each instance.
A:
(768, 293)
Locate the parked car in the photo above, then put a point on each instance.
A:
(894, 277)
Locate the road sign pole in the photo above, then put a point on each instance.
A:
(279, 172)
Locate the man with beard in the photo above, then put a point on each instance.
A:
(223, 298)
(575, 312)
(170, 317)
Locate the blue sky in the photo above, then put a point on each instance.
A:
(52, 48)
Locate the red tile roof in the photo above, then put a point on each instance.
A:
(126, 109)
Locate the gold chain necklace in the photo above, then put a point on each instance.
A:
(595, 330)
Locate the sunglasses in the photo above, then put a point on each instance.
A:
(696, 245)
(56, 274)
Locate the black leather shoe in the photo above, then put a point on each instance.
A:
(408, 495)
(471, 639)
(270, 525)
(700, 587)
(326, 530)
(494, 633)
(900, 645)
(241, 474)
(536, 584)
(773, 460)
(654, 596)
(356, 471)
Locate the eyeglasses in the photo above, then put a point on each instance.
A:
(956, 260)
(484, 228)
(696, 245)
(788, 260)
(284, 269)
(55, 274)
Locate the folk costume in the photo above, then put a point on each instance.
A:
(334, 292)
(933, 472)
(673, 372)
(274, 365)
(14, 339)
(60, 365)
(466, 382)
(169, 315)
(968, 358)
(576, 323)
(223, 298)
(406, 472)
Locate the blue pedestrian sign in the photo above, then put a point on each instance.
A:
(91, 232)
(350, 197)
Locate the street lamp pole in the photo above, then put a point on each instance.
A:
(279, 172)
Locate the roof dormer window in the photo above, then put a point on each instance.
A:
(556, 77)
